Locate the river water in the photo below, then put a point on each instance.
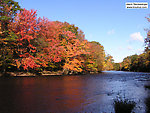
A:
(73, 94)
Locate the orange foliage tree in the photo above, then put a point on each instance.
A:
(42, 44)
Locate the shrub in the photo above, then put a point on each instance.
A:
(123, 106)
(147, 103)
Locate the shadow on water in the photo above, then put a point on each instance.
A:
(88, 93)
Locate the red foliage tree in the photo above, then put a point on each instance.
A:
(44, 43)
(26, 28)
(50, 50)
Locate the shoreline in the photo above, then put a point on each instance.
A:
(44, 73)
(48, 73)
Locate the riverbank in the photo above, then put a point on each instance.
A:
(43, 73)
(17, 74)
(22, 74)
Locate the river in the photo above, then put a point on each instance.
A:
(71, 94)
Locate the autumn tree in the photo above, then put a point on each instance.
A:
(109, 61)
(136, 63)
(147, 39)
(75, 49)
(26, 28)
(147, 43)
(117, 66)
(31, 43)
(126, 63)
(50, 49)
(97, 51)
(8, 10)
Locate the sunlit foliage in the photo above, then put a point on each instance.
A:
(8, 10)
(109, 62)
(36, 44)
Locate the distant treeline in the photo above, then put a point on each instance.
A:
(139, 63)
(36, 44)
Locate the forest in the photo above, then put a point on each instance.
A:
(32, 44)
(135, 63)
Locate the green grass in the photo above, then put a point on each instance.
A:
(123, 106)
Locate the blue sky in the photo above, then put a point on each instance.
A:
(119, 30)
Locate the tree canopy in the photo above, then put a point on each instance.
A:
(36, 44)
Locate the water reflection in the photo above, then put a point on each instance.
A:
(71, 93)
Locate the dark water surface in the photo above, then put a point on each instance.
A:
(71, 94)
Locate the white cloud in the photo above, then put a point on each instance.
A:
(110, 32)
(137, 36)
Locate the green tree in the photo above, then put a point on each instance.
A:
(117, 66)
(97, 51)
(8, 10)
